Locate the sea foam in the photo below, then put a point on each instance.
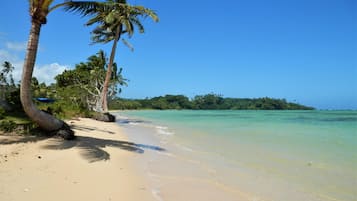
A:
(162, 130)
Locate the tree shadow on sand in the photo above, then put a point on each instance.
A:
(20, 139)
(91, 148)
(88, 128)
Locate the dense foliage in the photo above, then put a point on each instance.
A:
(76, 92)
(205, 102)
(9, 91)
(84, 84)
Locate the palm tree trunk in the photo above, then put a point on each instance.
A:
(109, 71)
(44, 120)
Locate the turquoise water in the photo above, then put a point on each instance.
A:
(292, 155)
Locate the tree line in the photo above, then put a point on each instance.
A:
(75, 92)
(205, 102)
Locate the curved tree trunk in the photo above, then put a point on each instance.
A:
(108, 75)
(44, 120)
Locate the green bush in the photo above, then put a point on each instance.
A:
(7, 126)
(13, 98)
(2, 113)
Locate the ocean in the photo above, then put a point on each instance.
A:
(248, 155)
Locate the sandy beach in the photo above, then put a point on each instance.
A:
(96, 166)
(140, 160)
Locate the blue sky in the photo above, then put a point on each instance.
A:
(301, 50)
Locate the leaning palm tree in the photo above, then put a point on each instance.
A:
(39, 9)
(114, 18)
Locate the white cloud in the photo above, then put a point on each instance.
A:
(44, 73)
(7, 56)
(47, 73)
(14, 60)
(16, 46)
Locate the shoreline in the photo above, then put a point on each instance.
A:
(98, 165)
(174, 175)
(246, 156)
(142, 159)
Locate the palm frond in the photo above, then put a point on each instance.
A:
(138, 24)
(46, 4)
(109, 15)
(129, 45)
(96, 19)
(84, 8)
(128, 27)
(144, 12)
(57, 6)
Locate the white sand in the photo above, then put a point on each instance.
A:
(95, 167)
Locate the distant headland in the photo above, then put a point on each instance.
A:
(205, 102)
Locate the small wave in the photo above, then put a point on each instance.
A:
(156, 194)
(162, 130)
(162, 127)
(123, 121)
(133, 123)
(186, 149)
(120, 116)
(130, 121)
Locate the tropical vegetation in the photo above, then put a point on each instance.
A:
(76, 92)
(39, 9)
(84, 84)
(205, 102)
(113, 18)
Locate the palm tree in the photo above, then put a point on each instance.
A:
(96, 67)
(115, 17)
(7, 71)
(39, 9)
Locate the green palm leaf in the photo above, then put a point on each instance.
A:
(112, 18)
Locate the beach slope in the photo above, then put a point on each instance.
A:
(96, 166)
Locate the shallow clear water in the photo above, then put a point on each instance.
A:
(273, 155)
